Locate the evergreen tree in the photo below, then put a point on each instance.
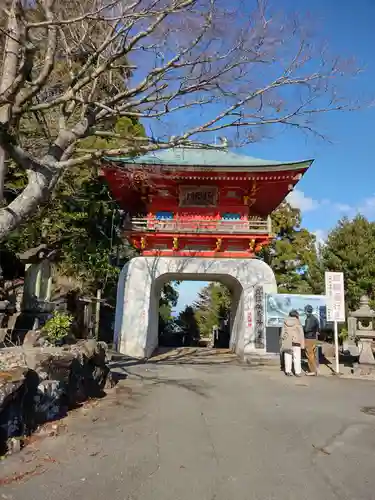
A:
(212, 306)
(350, 248)
(293, 254)
(188, 326)
(168, 300)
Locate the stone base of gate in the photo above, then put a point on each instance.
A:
(140, 284)
(257, 358)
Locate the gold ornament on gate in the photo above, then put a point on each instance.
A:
(249, 199)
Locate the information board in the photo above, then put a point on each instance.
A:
(335, 293)
(279, 305)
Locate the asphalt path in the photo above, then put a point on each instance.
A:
(207, 431)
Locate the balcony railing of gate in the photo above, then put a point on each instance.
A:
(252, 226)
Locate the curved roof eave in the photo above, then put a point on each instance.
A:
(203, 159)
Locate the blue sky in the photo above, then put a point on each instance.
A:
(342, 178)
(341, 181)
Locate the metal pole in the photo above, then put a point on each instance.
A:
(337, 364)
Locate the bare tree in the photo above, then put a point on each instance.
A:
(75, 66)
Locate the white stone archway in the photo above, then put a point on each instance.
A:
(140, 283)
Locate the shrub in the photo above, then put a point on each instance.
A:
(57, 327)
(343, 335)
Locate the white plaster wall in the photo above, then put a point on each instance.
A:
(140, 282)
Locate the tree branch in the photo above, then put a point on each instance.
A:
(173, 63)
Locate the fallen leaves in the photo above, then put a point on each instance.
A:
(16, 477)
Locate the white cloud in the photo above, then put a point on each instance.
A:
(343, 207)
(298, 199)
(367, 207)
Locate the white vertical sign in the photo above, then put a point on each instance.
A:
(336, 297)
(335, 293)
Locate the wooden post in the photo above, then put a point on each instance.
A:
(269, 225)
(97, 312)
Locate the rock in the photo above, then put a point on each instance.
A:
(40, 384)
(50, 362)
(12, 392)
(49, 403)
(10, 382)
(87, 347)
(113, 378)
(33, 338)
(351, 348)
(14, 445)
(12, 357)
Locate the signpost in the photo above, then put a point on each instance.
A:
(335, 293)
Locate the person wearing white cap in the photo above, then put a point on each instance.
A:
(292, 340)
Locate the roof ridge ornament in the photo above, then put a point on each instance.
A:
(224, 142)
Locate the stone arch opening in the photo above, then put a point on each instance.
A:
(140, 282)
(232, 283)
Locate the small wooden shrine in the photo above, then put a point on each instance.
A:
(191, 201)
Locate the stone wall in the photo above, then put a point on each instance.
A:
(40, 384)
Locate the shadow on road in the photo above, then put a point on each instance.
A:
(120, 366)
(193, 356)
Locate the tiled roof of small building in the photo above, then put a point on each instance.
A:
(200, 156)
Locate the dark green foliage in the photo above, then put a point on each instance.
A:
(292, 255)
(350, 248)
(81, 219)
(188, 326)
(168, 336)
(169, 295)
(168, 300)
(83, 222)
(212, 306)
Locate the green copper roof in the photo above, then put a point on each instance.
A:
(210, 157)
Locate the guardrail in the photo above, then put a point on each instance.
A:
(199, 226)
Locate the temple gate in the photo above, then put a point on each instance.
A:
(196, 214)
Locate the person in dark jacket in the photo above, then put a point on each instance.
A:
(311, 330)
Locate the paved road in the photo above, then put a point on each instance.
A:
(215, 432)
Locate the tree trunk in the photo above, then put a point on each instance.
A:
(10, 66)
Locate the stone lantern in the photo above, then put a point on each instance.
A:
(361, 326)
